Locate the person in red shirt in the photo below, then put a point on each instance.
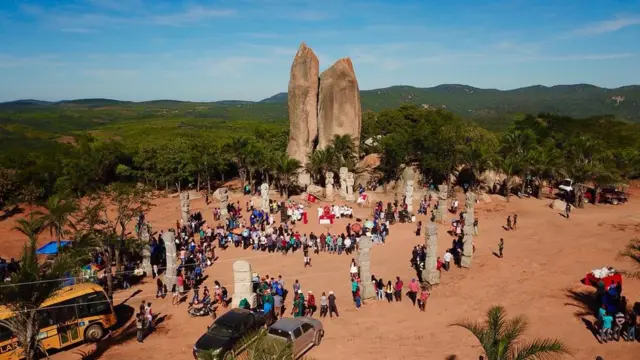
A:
(439, 264)
(397, 293)
(311, 303)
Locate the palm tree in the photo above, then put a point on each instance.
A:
(345, 149)
(286, 169)
(632, 251)
(545, 164)
(500, 338)
(510, 165)
(319, 162)
(256, 346)
(32, 284)
(585, 159)
(56, 219)
(478, 158)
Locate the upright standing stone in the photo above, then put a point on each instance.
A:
(367, 290)
(339, 109)
(302, 97)
(442, 202)
(146, 260)
(343, 181)
(169, 239)
(408, 194)
(243, 288)
(185, 206)
(467, 249)
(223, 196)
(431, 274)
(350, 183)
(328, 186)
(264, 194)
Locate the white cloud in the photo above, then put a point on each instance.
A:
(608, 26)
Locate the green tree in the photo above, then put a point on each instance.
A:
(57, 217)
(478, 157)
(521, 144)
(286, 170)
(510, 165)
(501, 338)
(31, 285)
(256, 346)
(585, 160)
(632, 252)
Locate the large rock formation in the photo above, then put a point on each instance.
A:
(303, 106)
(339, 110)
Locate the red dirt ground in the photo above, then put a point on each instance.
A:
(544, 258)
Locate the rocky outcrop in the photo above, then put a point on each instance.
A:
(339, 109)
(303, 104)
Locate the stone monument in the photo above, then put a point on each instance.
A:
(264, 193)
(367, 290)
(343, 181)
(243, 288)
(146, 260)
(185, 206)
(431, 274)
(408, 194)
(351, 180)
(467, 249)
(328, 186)
(442, 202)
(223, 196)
(169, 238)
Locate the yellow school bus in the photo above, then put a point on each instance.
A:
(73, 314)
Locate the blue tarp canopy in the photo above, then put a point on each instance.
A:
(51, 248)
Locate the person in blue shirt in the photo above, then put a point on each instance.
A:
(605, 331)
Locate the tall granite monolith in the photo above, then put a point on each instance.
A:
(243, 288)
(339, 109)
(223, 196)
(264, 195)
(431, 274)
(442, 202)
(467, 249)
(185, 206)
(343, 181)
(367, 290)
(169, 239)
(303, 107)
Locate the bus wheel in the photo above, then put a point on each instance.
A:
(94, 333)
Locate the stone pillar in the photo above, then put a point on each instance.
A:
(367, 290)
(430, 273)
(467, 250)
(146, 251)
(169, 238)
(350, 183)
(442, 202)
(408, 193)
(185, 206)
(328, 185)
(264, 193)
(223, 196)
(243, 288)
(343, 181)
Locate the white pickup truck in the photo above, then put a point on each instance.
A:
(566, 185)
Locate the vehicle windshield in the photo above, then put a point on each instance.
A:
(565, 182)
(279, 333)
(222, 326)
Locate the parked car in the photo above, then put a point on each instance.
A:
(566, 185)
(303, 332)
(609, 195)
(224, 334)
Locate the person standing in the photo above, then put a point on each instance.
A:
(333, 308)
(296, 287)
(324, 307)
(422, 302)
(149, 314)
(397, 289)
(140, 327)
(632, 321)
(509, 222)
(447, 260)
(475, 226)
(515, 221)
(500, 247)
(305, 251)
(277, 305)
(413, 291)
(567, 210)
(418, 228)
(354, 288)
(311, 304)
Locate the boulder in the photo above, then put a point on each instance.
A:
(558, 205)
(485, 197)
(339, 109)
(316, 191)
(303, 105)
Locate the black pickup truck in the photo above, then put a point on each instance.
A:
(221, 338)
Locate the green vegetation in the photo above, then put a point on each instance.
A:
(500, 338)
(632, 252)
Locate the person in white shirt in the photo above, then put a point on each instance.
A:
(447, 260)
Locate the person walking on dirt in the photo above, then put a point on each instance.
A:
(509, 222)
(307, 259)
(140, 327)
(413, 291)
(324, 307)
(500, 247)
(515, 221)
(567, 210)
(333, 308)
(422, 301)
(397, 293)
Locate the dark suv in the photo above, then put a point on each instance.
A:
(222, 337)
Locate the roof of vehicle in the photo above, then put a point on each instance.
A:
(290, 324)
(66, 293)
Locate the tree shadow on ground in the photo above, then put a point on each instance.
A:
(586, 304)
(10, 212)
(122, 335)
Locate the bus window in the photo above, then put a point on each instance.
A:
(45, 318)
(64, 312)
(93, 304)
(5, 333)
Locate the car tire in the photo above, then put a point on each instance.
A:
(318, 339)
(94, 333)
(614, 201)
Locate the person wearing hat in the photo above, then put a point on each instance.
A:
(333, 308)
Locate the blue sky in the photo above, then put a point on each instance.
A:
(207, 50)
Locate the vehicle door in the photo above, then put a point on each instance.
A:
(66, 319)
(298, 341)
(308, 334)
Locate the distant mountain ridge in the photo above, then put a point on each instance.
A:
(579, 100)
